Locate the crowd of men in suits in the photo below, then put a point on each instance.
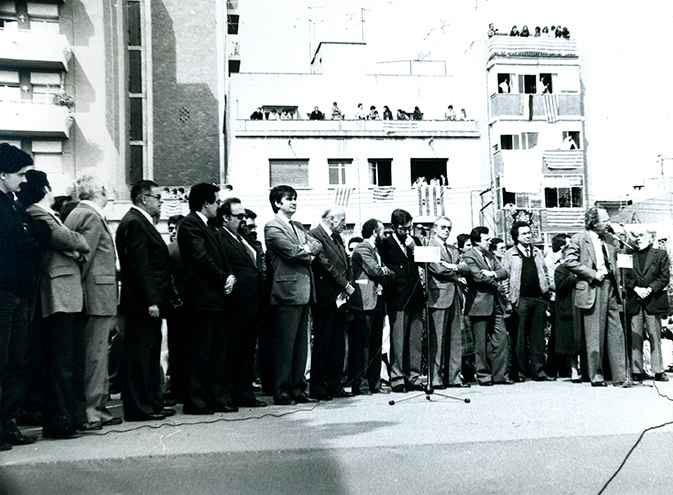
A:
(227, 298)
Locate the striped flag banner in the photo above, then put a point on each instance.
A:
(571, 219)
(384, 193)
(551, 107)
(171, 206)
(431, 201)
(342, 195)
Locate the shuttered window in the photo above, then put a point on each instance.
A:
(289, 172)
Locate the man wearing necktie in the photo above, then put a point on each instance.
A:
(332, 271)
(527, 287)
(99, 277)
(290, 251)
(244, 301)
(592, 257)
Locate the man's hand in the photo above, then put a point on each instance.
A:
(489, 273)
(349, 289)
(599, 277)
(450, 266)
(409, 243)
(643, 292)
(153, 311)
(229, 285)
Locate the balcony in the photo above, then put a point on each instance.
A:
(535, 107)
(34, 50)
(34, 120)
(356, 128)
(562, 219)
(563, 159)
(514, 46)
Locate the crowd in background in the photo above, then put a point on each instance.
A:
(242, 310)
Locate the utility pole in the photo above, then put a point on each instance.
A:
(362, 21)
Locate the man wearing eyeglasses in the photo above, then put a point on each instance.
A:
(445, 309)
(405, 300)
(244, 301)
(144, 299)
(208, 280)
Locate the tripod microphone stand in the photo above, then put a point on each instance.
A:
(429, 389)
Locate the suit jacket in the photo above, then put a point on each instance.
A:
(205, 263)
(483, 293)
(655, 273)
(60, 280)
(581, 260)
(441, 280)
(144, 261)
(405, 292)
(291, 282)
(99, 271)
(367, 273)
(249, 288)
(512, 261)
(331, 269)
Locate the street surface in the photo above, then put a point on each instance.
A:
(532, 438)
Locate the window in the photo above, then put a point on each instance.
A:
(9, 86)
(504, 83)
(289, 172)
(563, 192)
(545, 83)
(527, 82)
(509, 142)
(136, 120)
(234, 66)
(134, 23)
(380, 172)
(232, 23)
(135, 72)
(571, 140)
(528, 140)
(8, 24)
(232, 4)
(429, 169)
(338, 171)
(521, 200)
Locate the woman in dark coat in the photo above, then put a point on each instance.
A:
(568, 335)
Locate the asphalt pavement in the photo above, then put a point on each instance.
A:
(530, 438)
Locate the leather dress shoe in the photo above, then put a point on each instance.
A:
(506, 381)
(112, 422)
(202, 411)
(599, 384)
(90, 426)
(5, 445)
(18, 438)
(321, 396)
(61, 434)
(544, 378)
(381, 390)
(661, 377)
(486, 384)
(400, 389)
(302, 399)
(168, 412)
(459, 385)
(170, 402)
(284, 401)
(228, 408)
(363, 392)
(253, 403)
(342, 394)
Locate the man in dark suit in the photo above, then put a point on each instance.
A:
(486, 305)
(405, 304)
(99, 276)
(208, 279)
(647, 302)
(332, 272)
(290, 250)
(445, 309)
(591, 255)
(244, 301)
(144, 299)
(368, 307)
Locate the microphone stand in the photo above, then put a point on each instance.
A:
(429, 389)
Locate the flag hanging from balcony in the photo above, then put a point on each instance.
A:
(431, 201)
(551, 107)
(383, 193)
(342, 195)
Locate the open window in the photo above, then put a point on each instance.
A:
(563, 192)
(429, 169)
(232, 23)
(509, 142)
(380, 172)
(571, 140)
(504, 83)
(545, 84)
(528, 82)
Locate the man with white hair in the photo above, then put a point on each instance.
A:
(647, 301)
(99, 277)
(332, 272)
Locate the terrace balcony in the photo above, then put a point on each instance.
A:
(514, 46)
(29, 119)
(20, 48)
(534, 107)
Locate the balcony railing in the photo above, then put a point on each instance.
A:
(34, 50)
(563, 159)
(533, 107)
(34, 120)
(514, 46)
(356, 128)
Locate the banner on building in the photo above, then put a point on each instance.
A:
(431, 201)
(342, 195)
(384, 193)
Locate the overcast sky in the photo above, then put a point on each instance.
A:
(624, 46)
